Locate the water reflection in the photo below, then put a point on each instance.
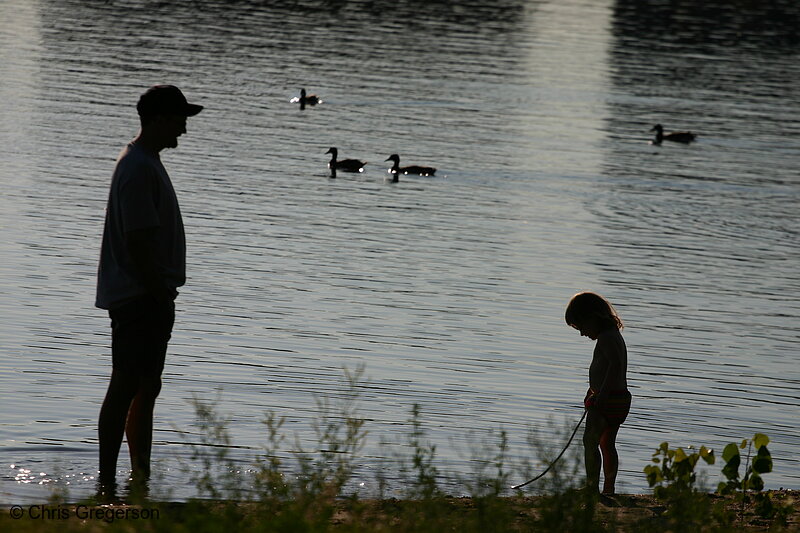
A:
(689, 230)
(719, 29)
(451, 290)
(347, 275)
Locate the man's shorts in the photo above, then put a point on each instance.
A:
(140, 331)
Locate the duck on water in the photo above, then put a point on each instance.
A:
(306, 99)
(412, 169)
(684, 137)
(345, 165)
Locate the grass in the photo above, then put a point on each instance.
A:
(307, 491)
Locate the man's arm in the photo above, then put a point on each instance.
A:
(141, 245)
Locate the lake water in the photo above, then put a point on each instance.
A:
(450, 290)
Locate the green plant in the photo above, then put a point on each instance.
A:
(489, 477)
(340, 435)
(216, 479)
(424, 483)
(674, 481)
(762, 464)
(674, 469)
(301, 495)
(751, 480)
(270, 483)
(564, 474)
(292, 491)
(563, 503)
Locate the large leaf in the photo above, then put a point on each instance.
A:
(680, 455)
(707, 454)
(755, 483)
(762, 463)
(730, 451)
(654, 475)
(760, 440)
(731, 469)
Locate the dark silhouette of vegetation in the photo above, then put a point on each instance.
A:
(306, 490)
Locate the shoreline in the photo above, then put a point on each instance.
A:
(620, 512)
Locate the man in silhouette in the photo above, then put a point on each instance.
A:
(142, 263)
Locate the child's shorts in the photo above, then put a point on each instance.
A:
(616, 408)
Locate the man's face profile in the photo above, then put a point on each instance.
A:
(170, 128)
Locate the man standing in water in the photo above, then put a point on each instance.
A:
(142, 263)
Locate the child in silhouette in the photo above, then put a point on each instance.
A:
(607, 401)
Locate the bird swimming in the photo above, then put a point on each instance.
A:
(347, 165)
(310, 99)
(684, 137)
(306, 99)
(412, 169)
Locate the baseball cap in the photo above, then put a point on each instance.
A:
(167, 100)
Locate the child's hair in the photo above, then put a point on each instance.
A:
(585, 305)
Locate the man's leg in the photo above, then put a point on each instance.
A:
(111, 426)
(140, 332)
(139, 428)
(155, 329)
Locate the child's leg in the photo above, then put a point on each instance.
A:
(595, 427)
(608, 441)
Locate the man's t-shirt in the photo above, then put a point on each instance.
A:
(141, 197)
